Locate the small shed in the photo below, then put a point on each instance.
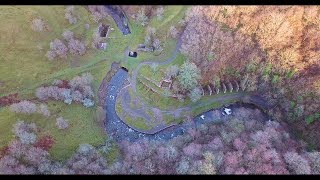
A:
(166, 83)
(103, 30)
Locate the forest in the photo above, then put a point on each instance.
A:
(212, 90)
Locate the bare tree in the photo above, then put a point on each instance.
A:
(159, 13)
(173, 32)
(142, 18)
(76, 47)
(24, 107)
(67, 35)
(98, 12)
(62, 123)
(57, 48)
(69, 15)
(38, 25)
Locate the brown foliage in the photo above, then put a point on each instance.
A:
(289, 36)
(9, 99)
(203, 39)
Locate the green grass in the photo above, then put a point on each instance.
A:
(24, 67)
(119, 110)
(157, 75)
(155, 99)
(81, 128)
(311, 118)
(171, 16)
(24, 64)
(138, 123)
(169, 119)
(196, 109)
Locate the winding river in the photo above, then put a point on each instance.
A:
(119, 131)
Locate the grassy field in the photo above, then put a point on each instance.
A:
(24, 67)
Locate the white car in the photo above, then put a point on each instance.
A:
(227, 111)
(111, 97)
(202, 116)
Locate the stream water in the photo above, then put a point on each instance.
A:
(120, 131)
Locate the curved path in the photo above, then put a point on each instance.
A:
(150, 62)
(120, 130)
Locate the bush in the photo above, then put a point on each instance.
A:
(9, 99)
(87, 160)
(159, 13)
(77, 96)
(54, 92)
(25, 132)
(142, 18)
(87, 26)
(87, 103)
(76, 47)
(38, 25)
(150, 36)
(57, 48)
(67, 35)
(62, 123)
(43, 109)
(51, 55)
(81, 81)
(67, 96)
(156, 44)
(26, 107)
(45, 142)
(78, 89)
(98, 12)
(172, 71)
(195, 94)
(69, 15)
(154, 67)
